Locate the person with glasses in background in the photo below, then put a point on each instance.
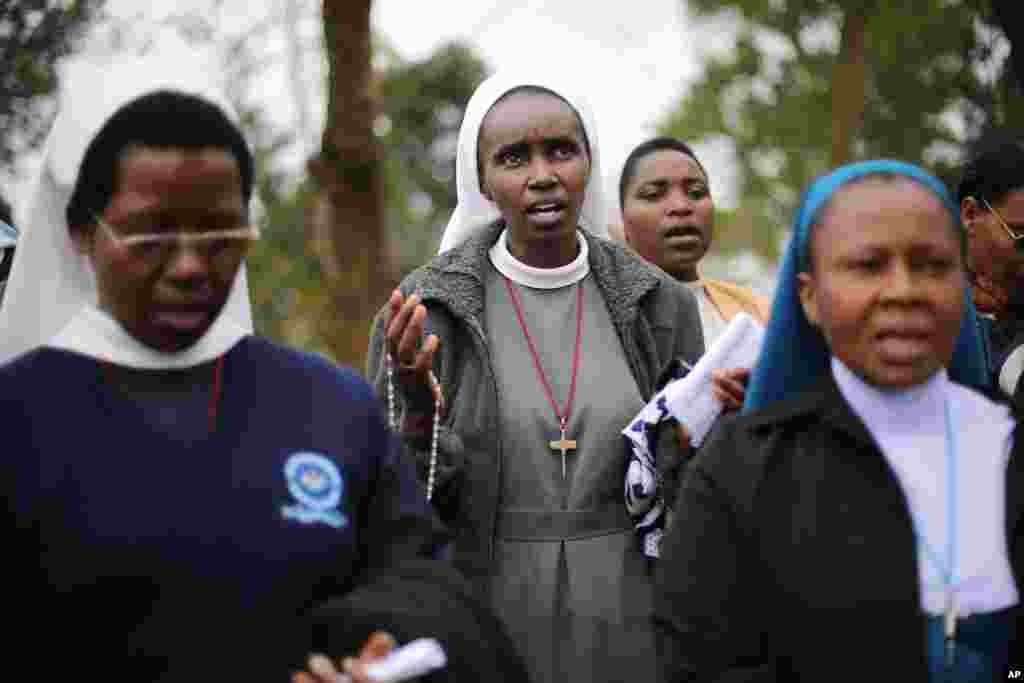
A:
(8, 240)
(991, 196)
(185, 500)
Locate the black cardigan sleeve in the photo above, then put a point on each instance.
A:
(406, 587)
(708, 608)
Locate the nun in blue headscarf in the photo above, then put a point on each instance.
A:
(861, 519)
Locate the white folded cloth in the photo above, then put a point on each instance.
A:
(689, 400)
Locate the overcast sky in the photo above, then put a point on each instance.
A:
(634, 59)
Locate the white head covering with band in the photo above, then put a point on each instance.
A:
(474, 211)
(51, 296)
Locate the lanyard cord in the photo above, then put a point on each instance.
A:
(947, 568)
(560, 415)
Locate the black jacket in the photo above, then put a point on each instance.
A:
(792, 555)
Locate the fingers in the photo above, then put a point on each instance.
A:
(425, 357)
(728, 386)
(682, 434)
(402, 312)
(412, 334)
(321, 670)
(355, 669)
(322, 667)
(739, 374)
(395, 302)
(729, 403)
(378, 645)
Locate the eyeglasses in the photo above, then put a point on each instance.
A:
(218, 246)
(1016, 237)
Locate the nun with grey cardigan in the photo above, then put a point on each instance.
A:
(544, 339)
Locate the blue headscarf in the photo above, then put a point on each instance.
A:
(794, 353)
(8, 235)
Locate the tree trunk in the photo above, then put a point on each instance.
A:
(848, 78)
(347, 216)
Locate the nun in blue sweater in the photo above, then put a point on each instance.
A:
(186, 501)
(861, 519)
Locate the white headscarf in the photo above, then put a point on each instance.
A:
(474, 211)
(51, 296)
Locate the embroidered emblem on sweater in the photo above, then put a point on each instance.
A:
(316, 484)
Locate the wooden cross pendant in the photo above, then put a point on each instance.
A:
(563, 445)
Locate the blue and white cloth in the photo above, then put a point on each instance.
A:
(689, 400)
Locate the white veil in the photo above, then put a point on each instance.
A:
(474, 211)
(51, 295)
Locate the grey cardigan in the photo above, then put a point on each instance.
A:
(657, 320)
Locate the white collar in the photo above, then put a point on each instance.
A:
(96, 334)
(893, 411)
(540, 278)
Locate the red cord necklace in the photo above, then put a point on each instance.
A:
(562, 444)
(214, 403)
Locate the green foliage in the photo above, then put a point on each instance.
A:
(925, 95)
(737, 231)
(421, 106)
(34, 34)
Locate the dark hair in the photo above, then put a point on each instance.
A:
(164, 118)
(531, 90)
(6, 254)
(995, 167)
(5, 211)
(649, 147)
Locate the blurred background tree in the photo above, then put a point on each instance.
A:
(347, 217)
(1014, 30)
(418, 108)
(805, 85)
(812, 84)
(421, 107)
(35, 34)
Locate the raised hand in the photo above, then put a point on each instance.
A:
(411, 354)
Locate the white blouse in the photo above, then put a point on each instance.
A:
(711, 320)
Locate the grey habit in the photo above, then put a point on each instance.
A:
(557, 557)
(569, 580)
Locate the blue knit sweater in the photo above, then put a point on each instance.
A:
(148, 555)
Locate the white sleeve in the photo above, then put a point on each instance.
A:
(1011, 370)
